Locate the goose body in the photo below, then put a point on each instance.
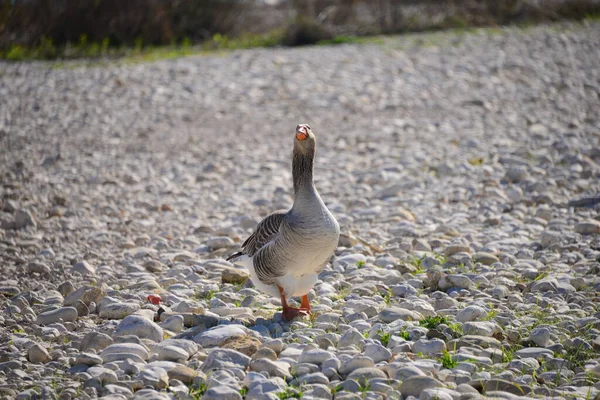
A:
(288, 249)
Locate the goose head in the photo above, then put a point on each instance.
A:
(304, 140)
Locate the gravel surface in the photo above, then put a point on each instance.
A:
(464, 170)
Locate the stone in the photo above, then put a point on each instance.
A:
(377, 352)
(315, 356)
(454, 281)
(172, 353)
(245, 344)
(480, 328)
(183, 374)
(545, 285)
(173, 323)
(63, 314)
(140, 327)
(364, 375)
(429, 347)
(125, 348)
(154, 376)
(415, 385)
(222, 393)
(471, 313)
(224, 359)
(588, 227)
(392, 314)
(24, 219)
(540, 336)
(234, 276)
(499, 385)
(104, 375)
(356, 362)
(118, 310)
(38, 354)
(217, 335)
(534, 352)
(84, 268)
(38, 267)
(273, 368)
(485, 258)
(88, 359)
(95, 341)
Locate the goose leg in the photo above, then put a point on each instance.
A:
(289, 313)
(305, 305)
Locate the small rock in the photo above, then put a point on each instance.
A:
(471, 313)
(364, 375)
(588, 227)
(429, 347)
(485, 258)
(64, 314)
(415, 385)
(96, 341)
(245, 344)
(140, 327)
(154, 376)
(174, 323)
(118, 310)
(84, 268)
(23, 219)
(540, 336)
(38, 354)
(392, 314)
(38, 267)
(233, 275)
(224, 359)
(183, 374)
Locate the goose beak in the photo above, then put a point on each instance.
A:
(302, 132)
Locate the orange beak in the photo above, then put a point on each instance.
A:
(301, 133)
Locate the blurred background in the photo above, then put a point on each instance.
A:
(92, 28)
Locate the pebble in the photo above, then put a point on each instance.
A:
(64, 314)
(140, 327)
(38, 354)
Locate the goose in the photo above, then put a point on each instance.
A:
(288, 249)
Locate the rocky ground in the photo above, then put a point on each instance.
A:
(464, 170)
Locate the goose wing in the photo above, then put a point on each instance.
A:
(264, 232)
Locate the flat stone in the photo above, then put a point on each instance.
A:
(245, 344)
(154, 376)
(534, 352)
(96, 341)
(225, 358)
(183, 374)
(118, 310)
(485, 258)
(392, 314)
(234, 276)
(364, 375)
(315, 356)
(63, 314)
(429, 347)
(125, 348)
(588, 227)
(415, 385)
(273, 368)
(140, 327)
(215, 336)
(88, 359)
(222, 393)
(499, 385)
